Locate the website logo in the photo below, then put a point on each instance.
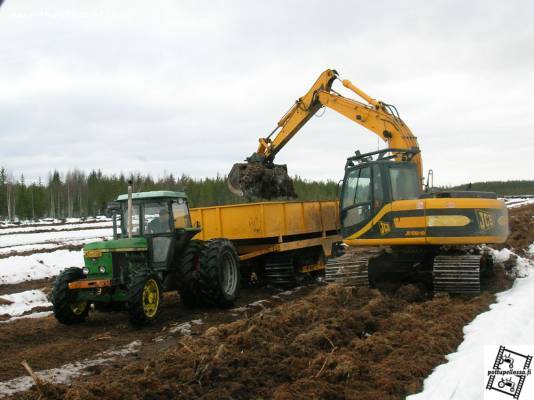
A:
(506, 378)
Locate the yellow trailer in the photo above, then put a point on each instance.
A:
(276, 240)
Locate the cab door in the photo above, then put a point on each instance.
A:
(159, 230)
(356, 199)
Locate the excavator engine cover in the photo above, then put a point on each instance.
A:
(256, 180)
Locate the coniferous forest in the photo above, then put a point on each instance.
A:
(78, 194)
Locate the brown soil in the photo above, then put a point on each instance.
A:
(335, 343)
(260, 182)
(46, 344)
(521, 228)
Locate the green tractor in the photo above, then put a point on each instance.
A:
(152, 251)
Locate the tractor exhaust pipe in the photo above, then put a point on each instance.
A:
(130, 205)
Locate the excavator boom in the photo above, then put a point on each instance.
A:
(259, 177)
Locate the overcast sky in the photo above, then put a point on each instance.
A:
(189, 86)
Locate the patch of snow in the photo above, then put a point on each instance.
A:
(183, 329)
(290, 292)
(514, 202)
(37, 266)
(239, 309)
(23, 302)
(41, 314)
(522, 266)
(531, 249)
(258, 303)
(62, 227)
(67, 372)
(52, 221)
(35, 248)
(14, 240)
(509, 321)
(500, 256)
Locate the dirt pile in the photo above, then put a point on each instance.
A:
(336, 343)
(266, 183)
(521, 228)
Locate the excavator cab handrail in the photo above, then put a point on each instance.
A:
(383, 154)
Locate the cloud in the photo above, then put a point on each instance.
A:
(189, 87)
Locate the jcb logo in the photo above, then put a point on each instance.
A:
(485, 220)
(384, 228)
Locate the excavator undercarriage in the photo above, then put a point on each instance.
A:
(455, 270)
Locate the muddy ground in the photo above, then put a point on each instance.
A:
(521, 228)
(321, 342)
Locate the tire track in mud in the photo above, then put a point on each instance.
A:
(46, 344)
(327, 342)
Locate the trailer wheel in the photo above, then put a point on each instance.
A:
(143, 298)
(220, 276)
(67, 310)
(187, 274)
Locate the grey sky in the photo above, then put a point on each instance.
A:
(188, 87)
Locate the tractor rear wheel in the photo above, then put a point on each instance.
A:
(67, 309)
(220, 277)
(143, 298)
(187, 274)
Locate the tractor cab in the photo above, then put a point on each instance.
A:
(162, 218)
(372, 182)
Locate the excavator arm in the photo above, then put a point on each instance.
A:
(260, 177)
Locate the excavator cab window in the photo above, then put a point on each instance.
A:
(404, 181)
(356, 196)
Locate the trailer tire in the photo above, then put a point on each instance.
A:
(188, 269)
(143, 301)
(66, 311)
(220, 276)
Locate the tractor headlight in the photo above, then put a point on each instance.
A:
(85, 271)
(102, 269)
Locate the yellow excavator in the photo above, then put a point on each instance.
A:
(383, 199)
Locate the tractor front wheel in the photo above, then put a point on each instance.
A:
(67, 309)
(143, 298)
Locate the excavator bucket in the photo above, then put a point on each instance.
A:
(259, 181)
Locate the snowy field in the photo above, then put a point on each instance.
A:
(31, 251)
(513, 202)
(510, 321)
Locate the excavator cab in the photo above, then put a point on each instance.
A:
(372, 182)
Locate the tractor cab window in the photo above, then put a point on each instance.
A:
(135, 219)
(404, 181)
(356, 197)
(180, 213)
(157, 218)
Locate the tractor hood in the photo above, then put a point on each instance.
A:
(133, 244)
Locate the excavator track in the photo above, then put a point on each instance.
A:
(457, 274)
(349, 269)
